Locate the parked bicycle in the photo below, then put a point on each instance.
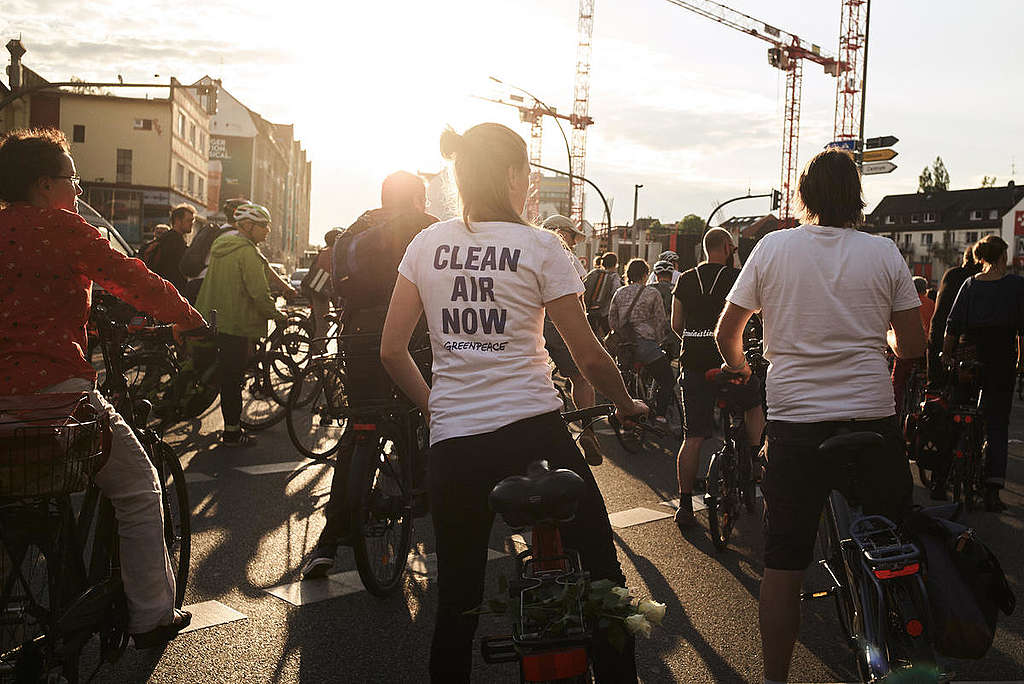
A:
(966, 478)
(57, 592)
(876, 576)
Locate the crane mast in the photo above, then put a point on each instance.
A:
(581, 109)
(850, 85)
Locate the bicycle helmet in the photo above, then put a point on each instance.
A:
(256, 213)
(663, 266)
(669, 256)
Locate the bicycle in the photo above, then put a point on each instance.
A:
(877, 577)
(316, 408)
(730, 484)
(540, 500)
(641, 385)
(51, 601)
(967, 470)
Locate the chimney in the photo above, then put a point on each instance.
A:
(17, 50)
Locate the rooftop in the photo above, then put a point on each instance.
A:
(951, 208)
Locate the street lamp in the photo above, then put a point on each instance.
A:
(554, 115)
(640, 239)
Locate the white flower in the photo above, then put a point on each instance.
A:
(638, 624)
(621, 592)
(652, 610)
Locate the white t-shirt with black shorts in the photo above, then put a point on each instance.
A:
(483, 293)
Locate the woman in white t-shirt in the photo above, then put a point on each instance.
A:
(484, 282)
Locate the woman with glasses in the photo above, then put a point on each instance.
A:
(48, 263)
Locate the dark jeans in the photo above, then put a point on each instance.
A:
(232, 356)
(463, 470)
(996, 405)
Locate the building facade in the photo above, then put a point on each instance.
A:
(554, 196)
(932, 230)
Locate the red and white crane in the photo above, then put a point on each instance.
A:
(787, 53)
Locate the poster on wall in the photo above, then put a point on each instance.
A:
(235, 157)
(1018, 223)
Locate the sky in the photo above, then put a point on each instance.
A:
(685, 106)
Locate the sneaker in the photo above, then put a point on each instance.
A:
(160, 635)
(321, 561)
(236, 438)
(684, 518)
(591, 449)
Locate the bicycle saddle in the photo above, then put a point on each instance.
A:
(539, 496)
(851, 440)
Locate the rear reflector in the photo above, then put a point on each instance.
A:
(902, 572)
(543, 667)
(914, 628)
(364, 427)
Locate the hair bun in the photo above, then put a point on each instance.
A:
(451, 143)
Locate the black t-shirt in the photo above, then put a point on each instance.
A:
(702, 291)
(991, 313)
(168, 261)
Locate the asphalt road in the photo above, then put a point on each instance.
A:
(252, 531)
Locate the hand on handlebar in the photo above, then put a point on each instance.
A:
(180, 331)
(629, 416)
(737, 377)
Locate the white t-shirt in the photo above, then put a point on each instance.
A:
(826, 296)
(483, 294)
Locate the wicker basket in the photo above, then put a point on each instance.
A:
(50, 444)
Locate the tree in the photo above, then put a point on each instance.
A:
(691, 224)
(85, 89)
(933, 179)
(988, 181)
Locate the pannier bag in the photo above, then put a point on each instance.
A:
(966, 586)
(50, 444)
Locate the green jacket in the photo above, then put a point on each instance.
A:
(236, 286)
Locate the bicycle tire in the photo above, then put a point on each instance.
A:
(381, 512)
(312, 395)
(831, 551)
(723, 500)
(177, 515)
(674, 410)
(264, 391)
(151, 377)
(295, 346)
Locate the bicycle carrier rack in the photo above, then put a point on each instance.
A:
(885, 551)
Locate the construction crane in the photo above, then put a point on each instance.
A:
(787, 54)
(853, 53)
(581, 109)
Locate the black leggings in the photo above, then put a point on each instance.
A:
(463, 470)
(233, 354)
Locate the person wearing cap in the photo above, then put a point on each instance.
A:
(663, 271)
(236, 287)
(673, 260)
(582, 391)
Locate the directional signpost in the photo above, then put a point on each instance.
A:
(872, 168)
(879, 155)
(884, 141)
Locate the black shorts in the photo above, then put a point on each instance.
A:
(798, 480)
(558, 351)
(699, 397)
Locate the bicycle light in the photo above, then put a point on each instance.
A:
(909, 569)
(542, 667)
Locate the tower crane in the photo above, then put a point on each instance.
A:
(581, 109)
(853, 52)
(786, 53)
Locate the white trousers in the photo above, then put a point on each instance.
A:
(131, 483)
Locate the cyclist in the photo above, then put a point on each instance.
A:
(827, 294)
(196, 259)
(45, 288)
(171, 246)
(647, 325)
(484, 281)
(903, 368)
(673, 259)
(236, 287)
(949, 287)
(698, 301)
(599, 287)
(663, 271)
(401, 216)
(582, 391)
(988, 314)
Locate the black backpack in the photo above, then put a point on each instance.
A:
(363, 272)
(149, 253)
(193, 261)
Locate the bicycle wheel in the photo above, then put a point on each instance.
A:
(265, 385)
(381, 496)
(151, 377)
(177, 515)
(294, 345)
(722, 497)
(674, 410)
(831, 551)
(313, 416)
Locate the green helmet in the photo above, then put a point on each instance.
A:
(257, 213)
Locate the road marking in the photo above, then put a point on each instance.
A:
(211, 614)
(698, 501)
(270, 468)
(305, 592)
(197, 477)
(636, 516)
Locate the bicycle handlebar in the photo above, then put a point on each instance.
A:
(599, 411)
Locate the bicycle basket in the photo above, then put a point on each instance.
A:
(50, 444)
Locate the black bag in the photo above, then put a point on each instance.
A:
(928, 433)
(362, 269)
(193, 261)
(966, 586)
(621, 343)
(149, 253)
(317, 281)
(592, 287)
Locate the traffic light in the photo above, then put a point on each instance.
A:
(776, 199)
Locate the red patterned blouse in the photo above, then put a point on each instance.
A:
(49, 259)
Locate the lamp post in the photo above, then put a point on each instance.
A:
(554, 115)
(640, 238)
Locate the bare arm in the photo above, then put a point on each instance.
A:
(729, 337)
(595, 364)
(908, 333)
(403, 314)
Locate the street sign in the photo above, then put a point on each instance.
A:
(884, 154)
(873, 168)
(850, 145)
(884, 141)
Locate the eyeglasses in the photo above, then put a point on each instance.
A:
(74, 179)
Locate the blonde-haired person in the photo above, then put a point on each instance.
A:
(484, 282)
(988, 314)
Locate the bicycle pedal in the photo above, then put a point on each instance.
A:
(814, 595)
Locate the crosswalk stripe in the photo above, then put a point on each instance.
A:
(270, 468)
(210, 614)
(636, 516)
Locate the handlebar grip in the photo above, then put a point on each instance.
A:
(599, 411)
